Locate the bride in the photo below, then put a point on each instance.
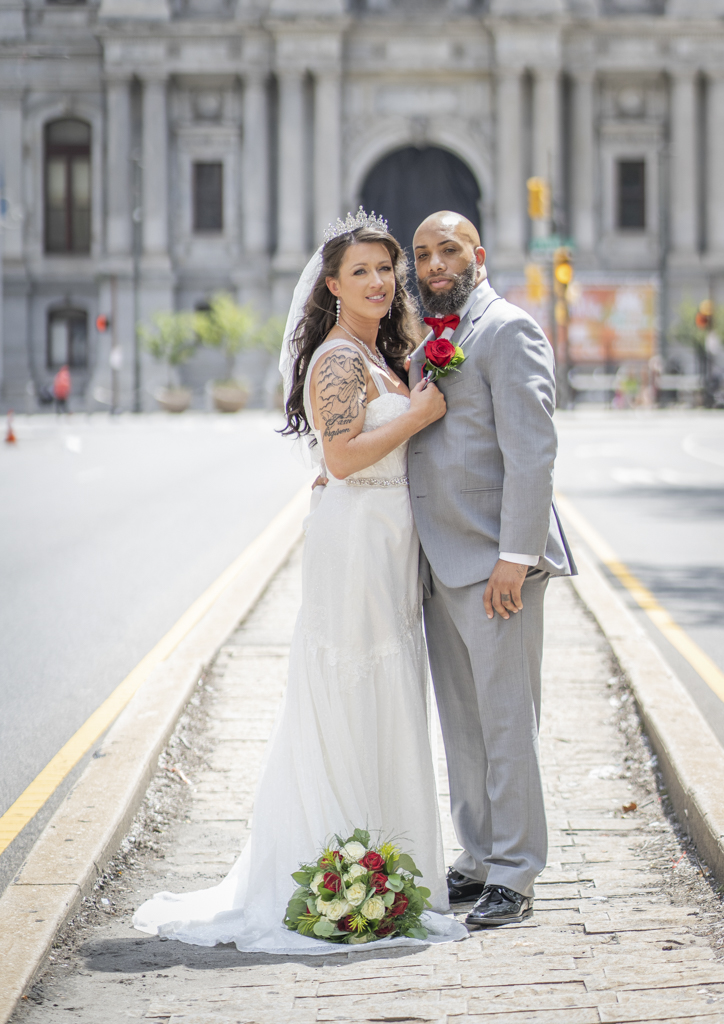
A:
(350, 748)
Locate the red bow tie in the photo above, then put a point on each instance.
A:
(439, 323)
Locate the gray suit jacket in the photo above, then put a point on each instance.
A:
(481, 478)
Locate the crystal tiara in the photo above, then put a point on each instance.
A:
(360, 220)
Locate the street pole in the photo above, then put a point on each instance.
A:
(116, 356)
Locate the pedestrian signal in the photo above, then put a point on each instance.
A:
(103, 323)
(538, 198)
(534, 284)
(705, 315)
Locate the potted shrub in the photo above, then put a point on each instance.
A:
(230, 328)
(171, 340)
(269, 336)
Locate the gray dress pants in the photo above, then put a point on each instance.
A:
(487, 678)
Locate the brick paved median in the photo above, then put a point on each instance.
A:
(626, 925)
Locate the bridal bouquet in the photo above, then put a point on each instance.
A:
(357, 892)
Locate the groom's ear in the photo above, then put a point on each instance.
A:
(480, 256)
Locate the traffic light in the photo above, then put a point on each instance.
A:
(562, 271)
(103, 322)
(705, 315)
(534, 283)
(538, 198)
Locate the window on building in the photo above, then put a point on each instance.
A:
(208, 197)
(632, 194)
(67, 186)
(67, 339)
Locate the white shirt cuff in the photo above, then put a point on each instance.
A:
(512, 556)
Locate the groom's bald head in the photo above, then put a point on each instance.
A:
(447, 222)
(449, 260)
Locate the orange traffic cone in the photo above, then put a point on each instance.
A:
(10, 437)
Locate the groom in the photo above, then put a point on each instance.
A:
(481, 484)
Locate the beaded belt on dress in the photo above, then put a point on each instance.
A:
(377, 481)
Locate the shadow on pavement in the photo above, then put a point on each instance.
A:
(136, 956)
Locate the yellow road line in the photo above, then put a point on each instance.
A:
(27, 805)
(677, 637)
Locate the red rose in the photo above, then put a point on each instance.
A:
(439, 351)
(372, 861)
(332, 882)
(379, 882)
(387, 926)
(400, 904)
(345, 924)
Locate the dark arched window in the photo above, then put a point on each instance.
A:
(67, 186)
(67, 339)
(409, 184)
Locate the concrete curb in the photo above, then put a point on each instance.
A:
(690, 757)
(86, 830)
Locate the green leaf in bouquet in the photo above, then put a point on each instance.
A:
(395, 882)
(425, 893)
(296, 907)
(406, 863)
(305, 925)
(302, 877)
(324, 928)
(360, 836)
(389, 898)
(418, 932)
(312, 904)
(326, 894)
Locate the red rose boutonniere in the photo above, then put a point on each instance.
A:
(441, 356)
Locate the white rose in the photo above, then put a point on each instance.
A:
(337, 909)
(353, 851)
(316, 882)
(357, 940)
(356, 893)
(374, 908)
(356, 871)
(323, 906)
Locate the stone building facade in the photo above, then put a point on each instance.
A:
(153, 151)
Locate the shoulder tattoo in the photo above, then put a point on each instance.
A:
(341, 391)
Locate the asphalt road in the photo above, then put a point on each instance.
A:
(109, 530)
(652, 484)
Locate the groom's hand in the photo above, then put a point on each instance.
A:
(502, 594)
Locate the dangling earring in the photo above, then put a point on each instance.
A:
(389, 312)
(339, 306)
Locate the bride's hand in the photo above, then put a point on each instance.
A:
(427, 403)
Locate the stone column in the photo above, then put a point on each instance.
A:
(683, 211)
(291, 204)
(715, 162)
(509, 168)
(11, 166)
(155, 168)
(583, 142)
(255, 165)
(327, 151)
(546, 134)
(118, 167)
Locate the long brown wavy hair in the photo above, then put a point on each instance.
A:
(397, 335)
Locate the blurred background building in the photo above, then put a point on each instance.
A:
(154, 151)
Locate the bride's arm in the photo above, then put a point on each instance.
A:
(339, 390)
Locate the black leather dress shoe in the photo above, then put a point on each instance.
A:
(499, 905)
(461, 889)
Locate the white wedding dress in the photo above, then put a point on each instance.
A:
(350, 747)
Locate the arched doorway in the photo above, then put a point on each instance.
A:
(409, 184)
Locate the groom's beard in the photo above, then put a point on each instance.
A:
(452, 301)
